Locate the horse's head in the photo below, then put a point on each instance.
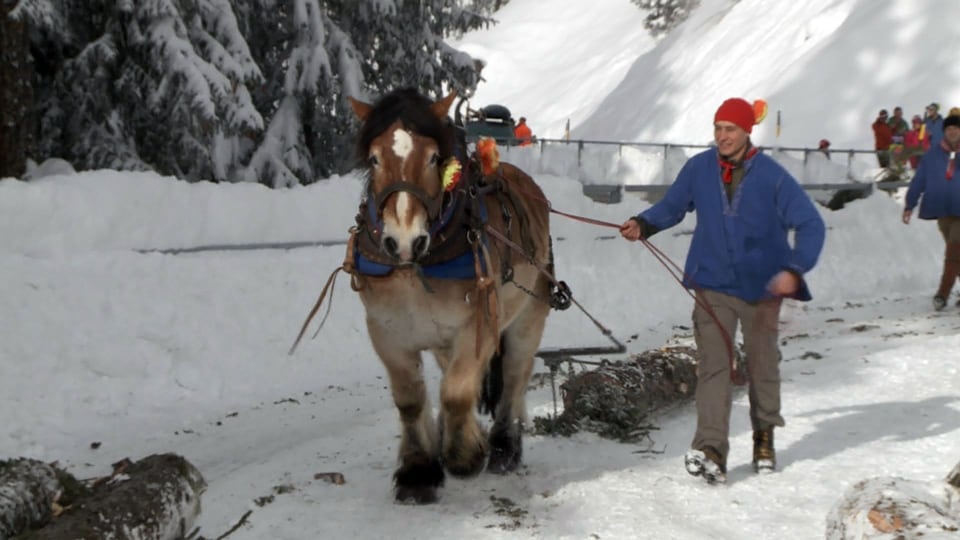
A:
(404, 139)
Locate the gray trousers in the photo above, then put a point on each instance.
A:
(760, 322)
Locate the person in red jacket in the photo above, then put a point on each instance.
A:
(916, 142)
(522, 133)
(882, 138)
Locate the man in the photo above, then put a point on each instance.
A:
(882, 137)
(522, 133)
(741, 266)
(898, 124)
(933, 124)
(935, 182)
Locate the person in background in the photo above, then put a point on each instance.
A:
(882, 137)
(522, 133)
(933, 124)
(916, 142)
(741, 266)
(824, 147)
(898, 125)
(934, 185)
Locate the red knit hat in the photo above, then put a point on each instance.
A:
(738, 111)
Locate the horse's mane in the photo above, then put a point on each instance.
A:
(414, 112)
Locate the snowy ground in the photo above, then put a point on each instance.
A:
(147, 352)
(151, 352)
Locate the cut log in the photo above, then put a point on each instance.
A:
(954, 477)
(156, 498)
(615, 399)
(889, 507)
(28, 490)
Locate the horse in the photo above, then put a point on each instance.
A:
(454, 259)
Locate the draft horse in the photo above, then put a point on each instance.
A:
(456, 262)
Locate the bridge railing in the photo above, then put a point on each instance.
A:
(608, 167)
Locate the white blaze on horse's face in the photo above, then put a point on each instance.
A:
(402, 156)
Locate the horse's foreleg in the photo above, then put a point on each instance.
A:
(420, 472)
(464, 446)
(520, 343)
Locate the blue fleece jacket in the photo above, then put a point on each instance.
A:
(738, 246)
(940, 196)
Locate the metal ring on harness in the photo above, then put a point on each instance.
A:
(560, 297)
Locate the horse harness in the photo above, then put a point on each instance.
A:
(458, 229)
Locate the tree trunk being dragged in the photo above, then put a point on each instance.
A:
(156, 498)
(615, 399)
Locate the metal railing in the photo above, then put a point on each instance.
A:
(850, 179)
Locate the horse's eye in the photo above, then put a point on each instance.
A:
(434, 159)
(373, 161)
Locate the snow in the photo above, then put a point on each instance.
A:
(106, 338)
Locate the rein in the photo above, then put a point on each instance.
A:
(672, 268)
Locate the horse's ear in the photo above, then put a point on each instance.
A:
(442, 107)
(360, 108)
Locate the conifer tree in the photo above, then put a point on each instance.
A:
(665, 15)
(235, 90)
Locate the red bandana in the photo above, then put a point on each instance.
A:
(728, 166)
(951, 158)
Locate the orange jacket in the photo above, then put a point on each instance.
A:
(523, 134)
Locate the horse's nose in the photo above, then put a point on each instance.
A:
(420, 245)
(391, 247)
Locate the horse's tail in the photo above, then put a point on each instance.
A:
(492, 389)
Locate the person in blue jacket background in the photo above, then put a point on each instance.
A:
(939, 186)
(740, 265)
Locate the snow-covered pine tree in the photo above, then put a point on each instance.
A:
(143, 84)
(318, 52)
(184, 86)
(665, 14)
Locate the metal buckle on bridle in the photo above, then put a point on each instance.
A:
(560, 296)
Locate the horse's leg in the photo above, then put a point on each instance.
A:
(464, 446)
(520, 343)
(419, 473)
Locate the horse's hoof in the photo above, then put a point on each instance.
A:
(506, 451)
(466, 467)
(465, 461)
(417, 484)
(416, 494)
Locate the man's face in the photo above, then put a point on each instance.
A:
(898, 112)
(731, 139)
(952, 135)
(931, 112)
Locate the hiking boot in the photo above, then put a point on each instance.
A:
(764, 456)
(939, 303)
(706, 462)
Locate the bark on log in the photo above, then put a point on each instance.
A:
(953, 478)
(156, 498)
(616, 399)
(28, 489)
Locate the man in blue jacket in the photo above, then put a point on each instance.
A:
(740, 265)
(937, 181)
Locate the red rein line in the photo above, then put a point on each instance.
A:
(676, 273)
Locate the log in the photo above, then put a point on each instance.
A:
(28, 490)
(156, 498)
(616, 399)
(953, 478)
